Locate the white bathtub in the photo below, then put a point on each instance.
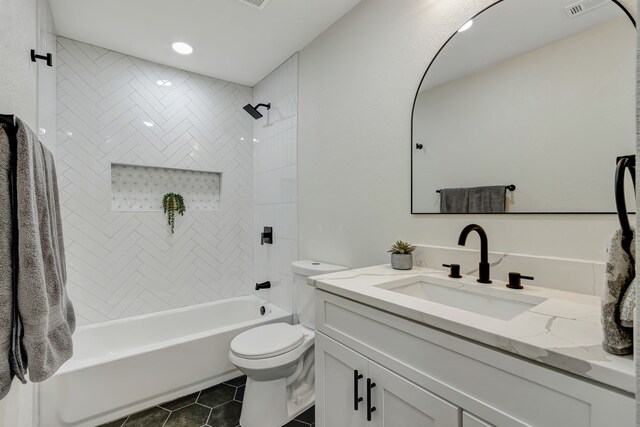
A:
(126, 365)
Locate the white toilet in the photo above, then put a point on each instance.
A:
(278, 358)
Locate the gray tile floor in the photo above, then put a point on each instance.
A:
(217, 406)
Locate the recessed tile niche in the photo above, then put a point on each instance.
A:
(141, 188)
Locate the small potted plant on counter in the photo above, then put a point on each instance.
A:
(402, 255)
(172, 203)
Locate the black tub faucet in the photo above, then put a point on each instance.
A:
(263, 285)
(484, 266)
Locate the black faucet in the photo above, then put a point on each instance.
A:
(484, 266)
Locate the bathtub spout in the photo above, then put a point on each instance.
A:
(263, 285)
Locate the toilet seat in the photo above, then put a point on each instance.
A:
(267, 341)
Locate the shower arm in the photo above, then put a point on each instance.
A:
(263, 105)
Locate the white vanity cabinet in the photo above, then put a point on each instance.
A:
(426, 377)
(358, 392)
(399, 402)
(340, 381)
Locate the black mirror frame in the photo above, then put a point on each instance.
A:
(413, 212)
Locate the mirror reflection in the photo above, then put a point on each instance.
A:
(525, 110)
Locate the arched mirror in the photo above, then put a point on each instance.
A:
(533, 97)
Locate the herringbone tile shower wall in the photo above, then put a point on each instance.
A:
(114, 108)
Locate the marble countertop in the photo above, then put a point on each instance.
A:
(563, 331)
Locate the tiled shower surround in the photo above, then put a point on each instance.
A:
(114, 108)
(275, 180)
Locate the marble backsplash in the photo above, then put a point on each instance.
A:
(573, 275)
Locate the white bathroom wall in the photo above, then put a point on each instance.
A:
(357, 84)
(28, 90)
(18, 35)
(47, 81)
(114, 108)
(275, 181)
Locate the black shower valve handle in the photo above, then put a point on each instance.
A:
(454, 270)
(267, 236)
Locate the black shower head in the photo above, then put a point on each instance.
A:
(254, 110)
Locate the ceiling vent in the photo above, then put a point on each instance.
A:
(259, 4)
(583, 7)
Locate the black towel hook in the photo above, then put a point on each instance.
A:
(624, 163)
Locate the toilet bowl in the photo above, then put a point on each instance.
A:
(278, 358)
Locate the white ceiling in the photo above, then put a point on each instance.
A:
(509, 29)
(232, 41)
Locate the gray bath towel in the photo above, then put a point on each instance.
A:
(454, 200)
(620, 273)
(46, 312)
(628, 306)
(17, 360)
(489, 199)
(6, 284)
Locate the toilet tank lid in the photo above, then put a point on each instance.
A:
(314, 268)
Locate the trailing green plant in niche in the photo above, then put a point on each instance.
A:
(172, 203)
(401, 247)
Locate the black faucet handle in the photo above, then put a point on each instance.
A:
(454, 270)
(515, 280)
(267, 236)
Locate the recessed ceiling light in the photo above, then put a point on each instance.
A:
(466, 26)
(163, 82)
(147, 123)
(182, 48)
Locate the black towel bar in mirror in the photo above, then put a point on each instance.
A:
(509, 187)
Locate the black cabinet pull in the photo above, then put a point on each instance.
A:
(356, 399)
(370, 409)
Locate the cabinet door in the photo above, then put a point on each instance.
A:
(469, 420)
(336, 385)
(399, 402)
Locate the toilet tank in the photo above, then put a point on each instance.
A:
(304, 307)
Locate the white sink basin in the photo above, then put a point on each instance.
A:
(480, 299)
